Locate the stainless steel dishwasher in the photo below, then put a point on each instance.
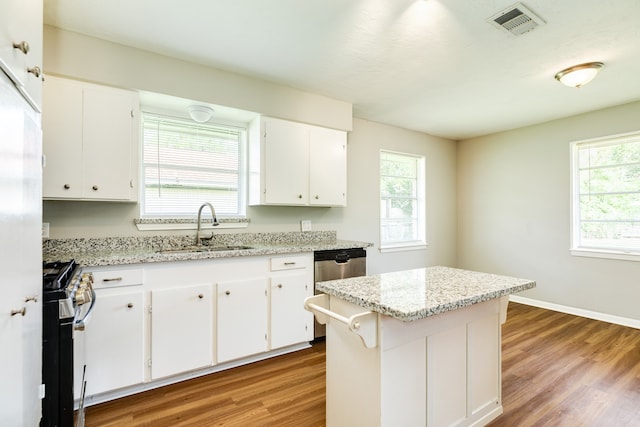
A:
(337, 264)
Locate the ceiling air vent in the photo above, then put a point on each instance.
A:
(516, 19)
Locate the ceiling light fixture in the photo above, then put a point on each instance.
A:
(200, 113)
(579, 75)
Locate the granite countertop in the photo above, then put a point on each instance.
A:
(415, 294)
(137, 250)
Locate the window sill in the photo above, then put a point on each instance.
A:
(601, 253)
(403, 248)
(150, 224)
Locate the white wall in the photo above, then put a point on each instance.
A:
(514, 203)
(91, 59)
(87, 58)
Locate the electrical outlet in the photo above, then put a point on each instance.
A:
(305, 225)
(45, 230)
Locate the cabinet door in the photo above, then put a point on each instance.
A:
(181, 329)
(327, 167)
(286, 151)
(290, 322)
(242, 318)
(21, 21)
(62, 139)
(107, 131)
(20, 216)
(114, 344)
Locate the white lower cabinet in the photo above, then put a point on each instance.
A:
(241, 318)
(291, 281)
(162, 322)
(181, 329)
(114, 341)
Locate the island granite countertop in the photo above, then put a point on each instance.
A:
(136, 250)
(415, 294)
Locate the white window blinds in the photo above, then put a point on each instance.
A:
(186, 164)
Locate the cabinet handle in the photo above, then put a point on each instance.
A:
(22, 311)
(299, 196)
(33, 298)
(317, 197)
(130, 305)
(35, 71)
(228, 293)
(279, 285)
(66, 186)
(290, 263)
(113, 279)
(23, 47)
(200, 296)
(94, 188)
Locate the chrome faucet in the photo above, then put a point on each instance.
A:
(214, 222)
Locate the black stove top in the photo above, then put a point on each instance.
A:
(57, 275)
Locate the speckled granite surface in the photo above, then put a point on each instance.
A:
(415, 294)
(136, 250)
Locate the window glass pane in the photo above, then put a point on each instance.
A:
(401, 199)
(607, 205)
(186, 164)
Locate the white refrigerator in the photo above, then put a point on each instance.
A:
(20, 259)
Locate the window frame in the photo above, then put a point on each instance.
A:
(420, 199)
(576, 246)
(243, 183)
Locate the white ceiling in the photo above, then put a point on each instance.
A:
(435, 66)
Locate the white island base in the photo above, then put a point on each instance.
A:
(443, 370)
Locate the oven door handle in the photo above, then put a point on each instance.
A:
(80, 324)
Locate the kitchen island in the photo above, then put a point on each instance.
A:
(414, 348)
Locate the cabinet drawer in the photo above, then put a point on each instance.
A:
(114, 278)
(289, 262)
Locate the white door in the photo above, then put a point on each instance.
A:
(108, 125)
(20, 260)
(181, 329)
(286, 163)
(114, 341)
(242, 318)
(290, 322)
(327, 167)
(21, 22)
(62, 145)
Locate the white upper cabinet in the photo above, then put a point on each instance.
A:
(294, 164)
(21, 46)
(327, 167)
(90, 141)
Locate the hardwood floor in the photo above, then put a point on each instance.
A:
(563, 370)
(558, 370)
(285, 391)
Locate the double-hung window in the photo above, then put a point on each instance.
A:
(186, 164)
(606, 197)
(402, 204)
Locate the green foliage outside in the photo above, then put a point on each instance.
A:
(610, 192)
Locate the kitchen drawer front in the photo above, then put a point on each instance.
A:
(291, 262)
(103, 279)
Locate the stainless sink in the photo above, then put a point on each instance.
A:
(227, 248)
(192, 249)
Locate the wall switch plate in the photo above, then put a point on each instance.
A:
(305, 225)
(45, 230)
